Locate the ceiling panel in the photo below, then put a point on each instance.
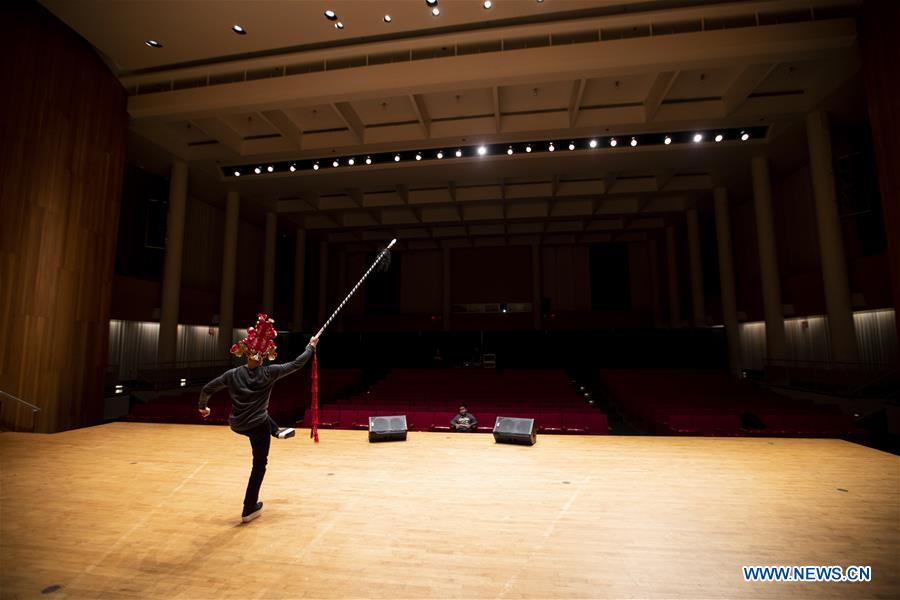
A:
(535, 97)
(462, 103)
(625, 89)
(702, 83)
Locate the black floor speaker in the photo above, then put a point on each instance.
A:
(387, 429)
(510, 430)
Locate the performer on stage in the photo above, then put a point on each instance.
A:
(250, 386)
(463, 421)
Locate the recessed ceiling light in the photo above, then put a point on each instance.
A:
(237, 173)
(418, 156)
(667, 141)
(509, 150)
(338, 25)
(239, 30)
(293, 168)
(613, 142)
(719, 137)
(387, 18)
(351, 162)
(436, 11)
(458, 153)
(257, 170)
(315, 166)
(440, 154)
(335, 163)
(482, 150)
(270, 168)
(368, 160)
(396, 158)
(593, 144)
(571, 145)
(633, 142)
(431, 2)
(153, 44)
(528, 148)
(745, 136)
(330, 15)
(698, 137)
(487, 4)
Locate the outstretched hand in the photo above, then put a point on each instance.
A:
(314, 341)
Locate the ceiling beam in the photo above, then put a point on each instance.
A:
(418, 104)
(659, 89)
(284, 125)
(351, 120)
(609, 180)
(222, 133)
(496, 102)
(575, 100)
(747, 80)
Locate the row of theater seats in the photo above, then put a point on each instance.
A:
(429, 398)
(290, 396)
(708, 402)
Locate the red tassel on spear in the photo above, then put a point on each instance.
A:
(314, 403)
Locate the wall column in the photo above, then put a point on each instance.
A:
(268, 306)
(536, 285)
(831, 241)
(697, 300)
(446, 288)
(299, 278)
(726, 279)
(323, 282)
(768, 259)
(171, 282)
(229, 268)
(654, 284)
(672, 263)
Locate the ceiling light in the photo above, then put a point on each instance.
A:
(239, 30)
(293, 168)
(633, 142)
(329, 14)
(338, 25)
(698, 137)
(153, 44)
(440, 154)
(257, 170)
(482, 150)
(351, 162)
(418, 156)
(458, 153)
(745, 136)
(593, 144)
(613, 142)
(436, 11)
(335, 163)
(237, 173)
(571, 145)
(431, 2)
(368, 160)
(387, 18)
(396, 158)
(528, 148)
(667, 141)
(509, 150)
(270, 168)
(315, 166)
(551, 147)
(487, 4)
(719, 137)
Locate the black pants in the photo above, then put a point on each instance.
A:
(260, 440)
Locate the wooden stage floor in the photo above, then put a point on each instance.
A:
(130, 510)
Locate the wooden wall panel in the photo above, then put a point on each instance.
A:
(63, 128)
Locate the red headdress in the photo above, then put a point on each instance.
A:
(260, 340)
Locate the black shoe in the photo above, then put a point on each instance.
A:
(251, 513)
(284, 433)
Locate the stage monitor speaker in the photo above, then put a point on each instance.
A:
(387, 429)
(510, 430)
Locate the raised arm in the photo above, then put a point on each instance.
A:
(208, 390)
(279, 371)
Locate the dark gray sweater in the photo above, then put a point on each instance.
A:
(250, 390)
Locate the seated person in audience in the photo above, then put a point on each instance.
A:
(463, 421)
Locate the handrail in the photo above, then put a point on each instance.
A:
(29, 404)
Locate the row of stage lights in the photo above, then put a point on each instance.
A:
(679, 138)
(431, 4)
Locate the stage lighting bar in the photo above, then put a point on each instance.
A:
(587, 145)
